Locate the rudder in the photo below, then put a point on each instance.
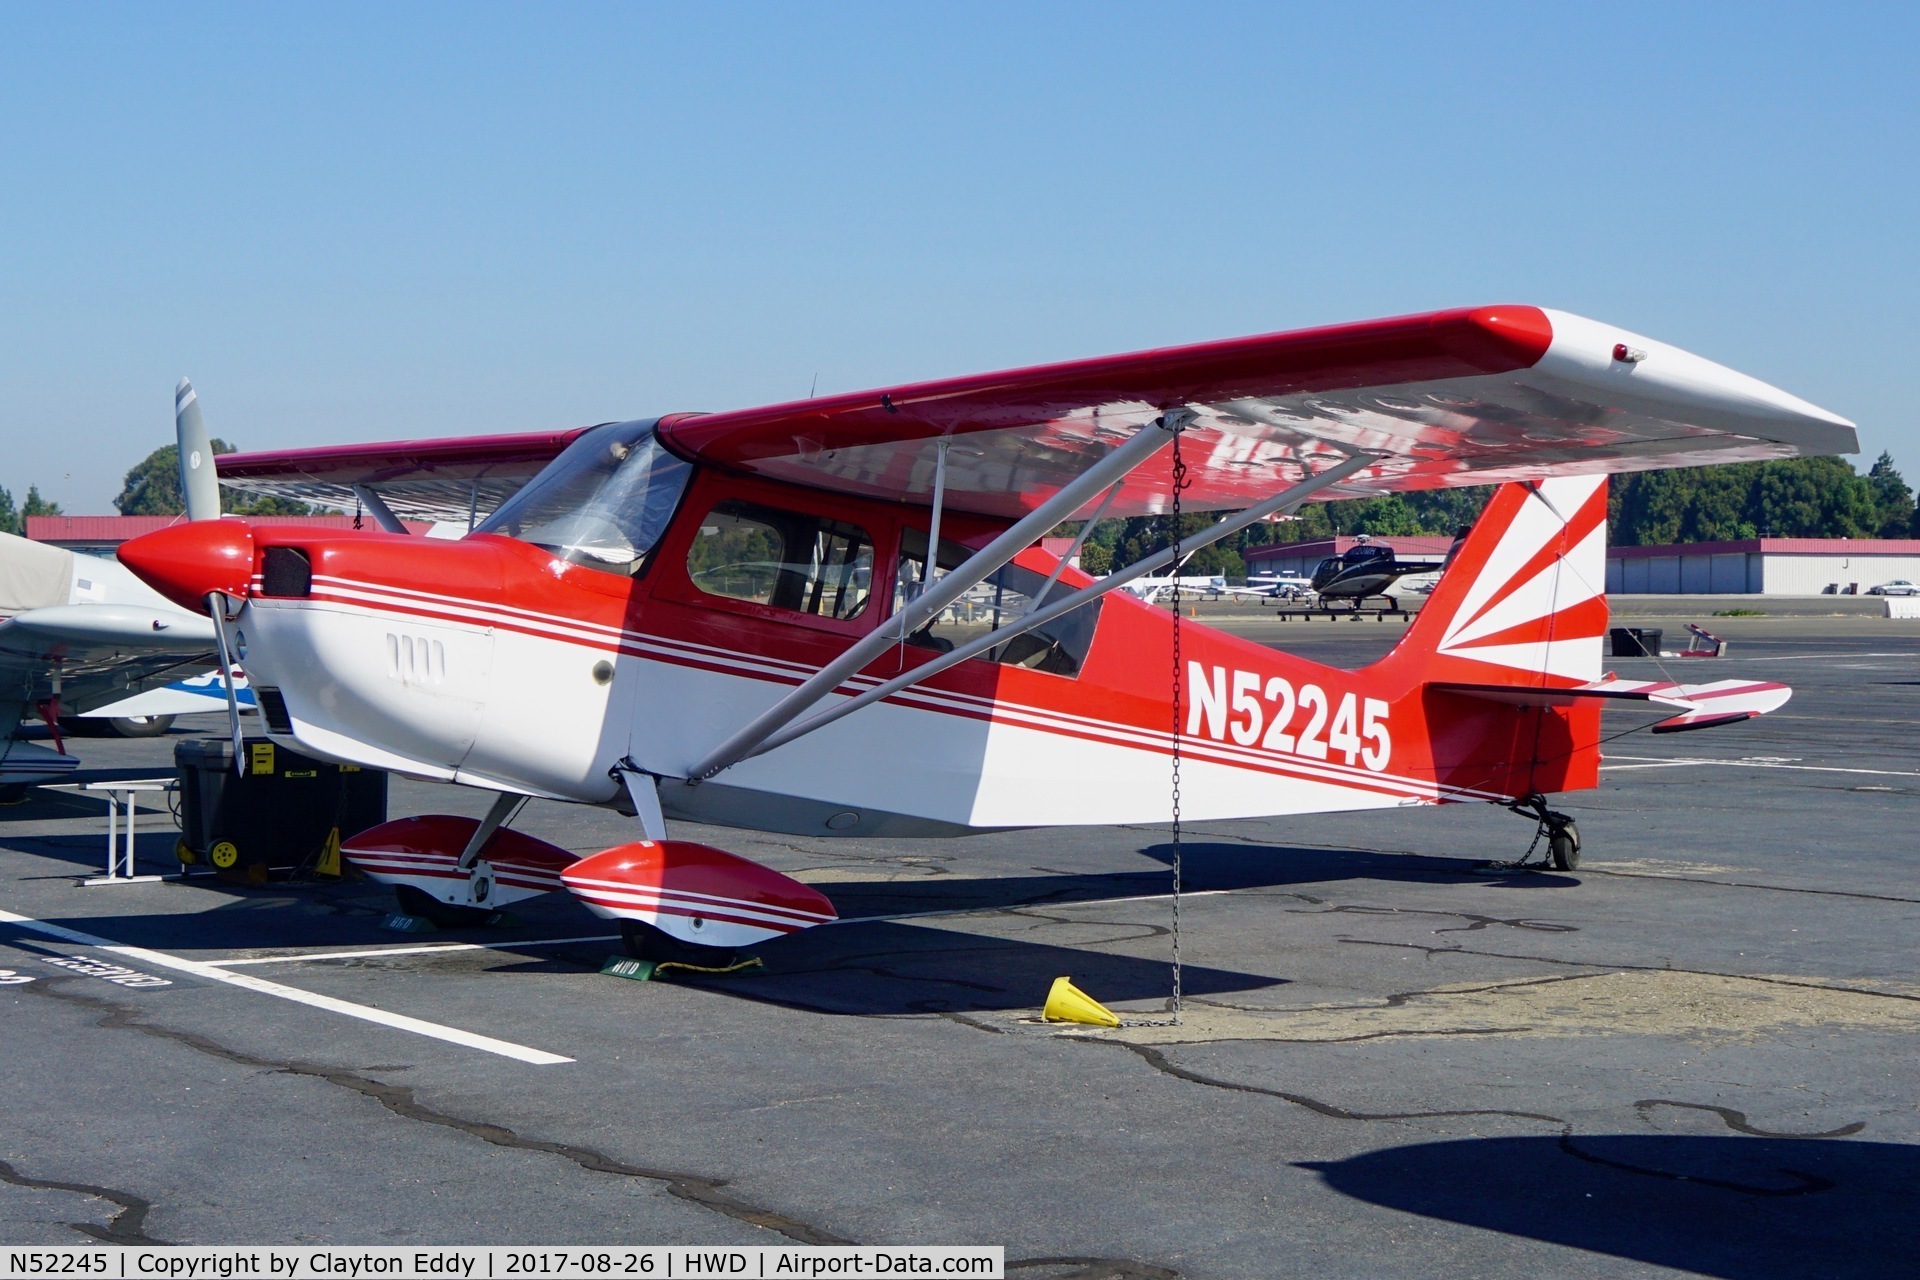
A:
(1523, 600)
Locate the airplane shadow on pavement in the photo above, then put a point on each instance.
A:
(984, 963)
(1010, 937)
(1716, 1205)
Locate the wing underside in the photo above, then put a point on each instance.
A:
(1464, 397)
(454, 479)
(1450, 398)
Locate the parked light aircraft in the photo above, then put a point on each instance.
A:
(1282, 585)
(833, 616)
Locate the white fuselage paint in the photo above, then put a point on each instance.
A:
(519, 712)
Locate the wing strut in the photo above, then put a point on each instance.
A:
(1082, 489)
(1079, 540)
(377, 505)
(1283, 501)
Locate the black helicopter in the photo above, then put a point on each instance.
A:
(1369, 568)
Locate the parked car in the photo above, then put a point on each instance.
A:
(1898, 587)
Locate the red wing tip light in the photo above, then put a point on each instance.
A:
(1523, 333)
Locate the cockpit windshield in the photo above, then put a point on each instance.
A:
(602, 503)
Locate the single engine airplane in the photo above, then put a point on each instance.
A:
(834, 617)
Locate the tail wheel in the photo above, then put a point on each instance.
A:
(1563, 848)
(445, 915)
(648, 942)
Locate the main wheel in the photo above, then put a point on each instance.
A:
(1563, 848)
(445, 915)
(140, 726)
(648, 942)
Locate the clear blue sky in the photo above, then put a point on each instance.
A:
(359, 223)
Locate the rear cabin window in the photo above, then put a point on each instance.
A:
(785, 559)
(1057, 647)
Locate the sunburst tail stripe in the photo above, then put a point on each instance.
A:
(1586, 620)
(1591, 514)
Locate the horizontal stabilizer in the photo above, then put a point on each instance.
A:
(1725, 702)
(1701, 705)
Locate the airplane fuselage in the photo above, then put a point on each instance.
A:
(492, 662)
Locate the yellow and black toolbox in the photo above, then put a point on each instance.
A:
(282, 811)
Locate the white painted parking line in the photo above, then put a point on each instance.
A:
(1812, 657)
(1670, 762)
(332, 1004)
(1028, 906)
(421, 950)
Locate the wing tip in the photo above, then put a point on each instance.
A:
(1522, 333)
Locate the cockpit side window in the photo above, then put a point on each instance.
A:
(784, 559)
(1057, 647)
(603, 503)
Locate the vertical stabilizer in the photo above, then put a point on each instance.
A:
(197, 483)
(1523, 601)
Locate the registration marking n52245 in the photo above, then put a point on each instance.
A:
(1249, 708)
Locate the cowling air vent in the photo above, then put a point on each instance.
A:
(274, 708)
(286, 571)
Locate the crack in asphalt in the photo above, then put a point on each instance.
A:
(1474, 925)
(706, 1192)
(1806, 1183)
(1737, 1120)
(1159, 1061)
(1632, 968)
(694, 1188)
(1395, 1000)
(128, 1226)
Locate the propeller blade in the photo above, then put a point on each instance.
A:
(217, 608)
(197, 482)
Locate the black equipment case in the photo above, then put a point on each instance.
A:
(286, 811)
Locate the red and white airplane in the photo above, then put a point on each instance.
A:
(833, 617)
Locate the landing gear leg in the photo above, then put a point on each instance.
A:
(1558, 829)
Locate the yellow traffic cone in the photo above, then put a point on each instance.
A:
(1068, 1003)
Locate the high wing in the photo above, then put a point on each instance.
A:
(1462, 397)
(452, 479)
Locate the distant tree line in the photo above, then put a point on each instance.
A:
(1792, 498)
(152, 488)
(14, 519)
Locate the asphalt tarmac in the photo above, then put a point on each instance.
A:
(1694, 1055)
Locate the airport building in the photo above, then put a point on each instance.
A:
(1763, 566)
(1756, 566)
